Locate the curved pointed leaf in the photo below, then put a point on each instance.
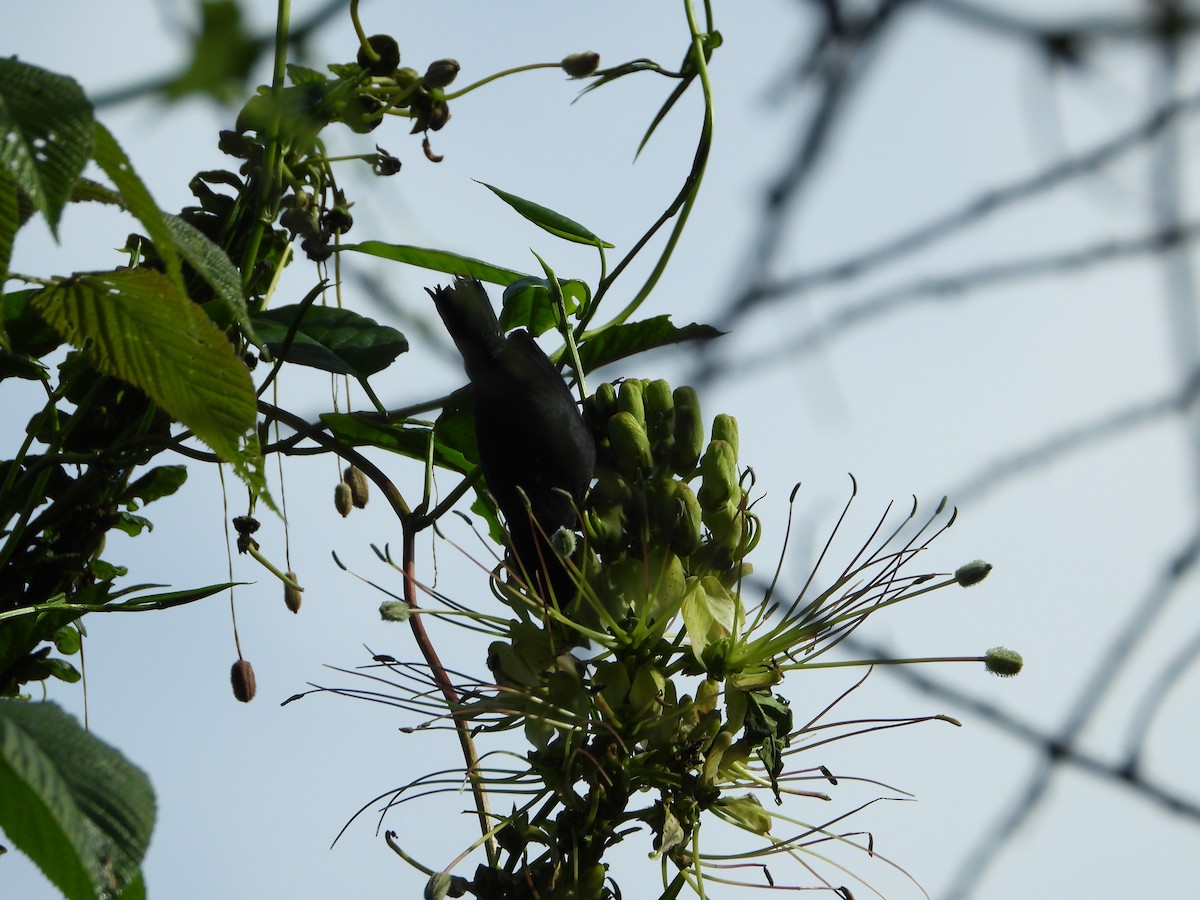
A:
(548, 220)
(438, 261)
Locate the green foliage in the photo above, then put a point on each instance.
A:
(162, 351)
(134, 325)
(73, 804)
(46, 122)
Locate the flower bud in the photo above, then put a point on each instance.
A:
(1003, 662)
(441, 73)
(358, 486)
(660, 418)
(689, 431)
(718, 470)
(676, 517)
(581, 65)
(724, 428)
(343, 498)
(972, 573)
(241, 676)
(630, 445)
(629, 399)
(603, 403)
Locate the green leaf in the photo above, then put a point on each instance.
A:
(213, 265)
(357, 431)
(130, 524)
(112, 159)
(134, 325)
(159, 482)
(621, 341)
(438, 261)
(330, 339)
(27, 331)
(222, 58)
(548, 220)
(709, 611)
(529, 303)
(46, 133)
(74, 805)
(9, 223)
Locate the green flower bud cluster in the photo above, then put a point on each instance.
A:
(663, 492)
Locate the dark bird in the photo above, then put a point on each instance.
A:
(530, 433)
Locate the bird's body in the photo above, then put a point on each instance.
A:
(533, 443)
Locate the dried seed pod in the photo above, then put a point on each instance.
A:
(241, 676)
(343, 498)
(440, 73)
(358, 486)
(291, 595)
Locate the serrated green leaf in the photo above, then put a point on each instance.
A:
(214, 266)
(74, 805)
(330, 339)
(438, 261)
(134, 325)
(46, 133)
(112, 160)
(159, 482)
(529, 303)
(622, 341)
(548, 220)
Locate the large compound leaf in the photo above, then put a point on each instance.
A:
(214, 266)
(134, 325)
(438, 260)
(73, 804)
(330, 339)
(45, 134)
(621, 341)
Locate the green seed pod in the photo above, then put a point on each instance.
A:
(718, 470)
(386, 49)
(724, 428)
(725, 523)
(630, 444)
(630, 400)
(660, 419)
(689, 431)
